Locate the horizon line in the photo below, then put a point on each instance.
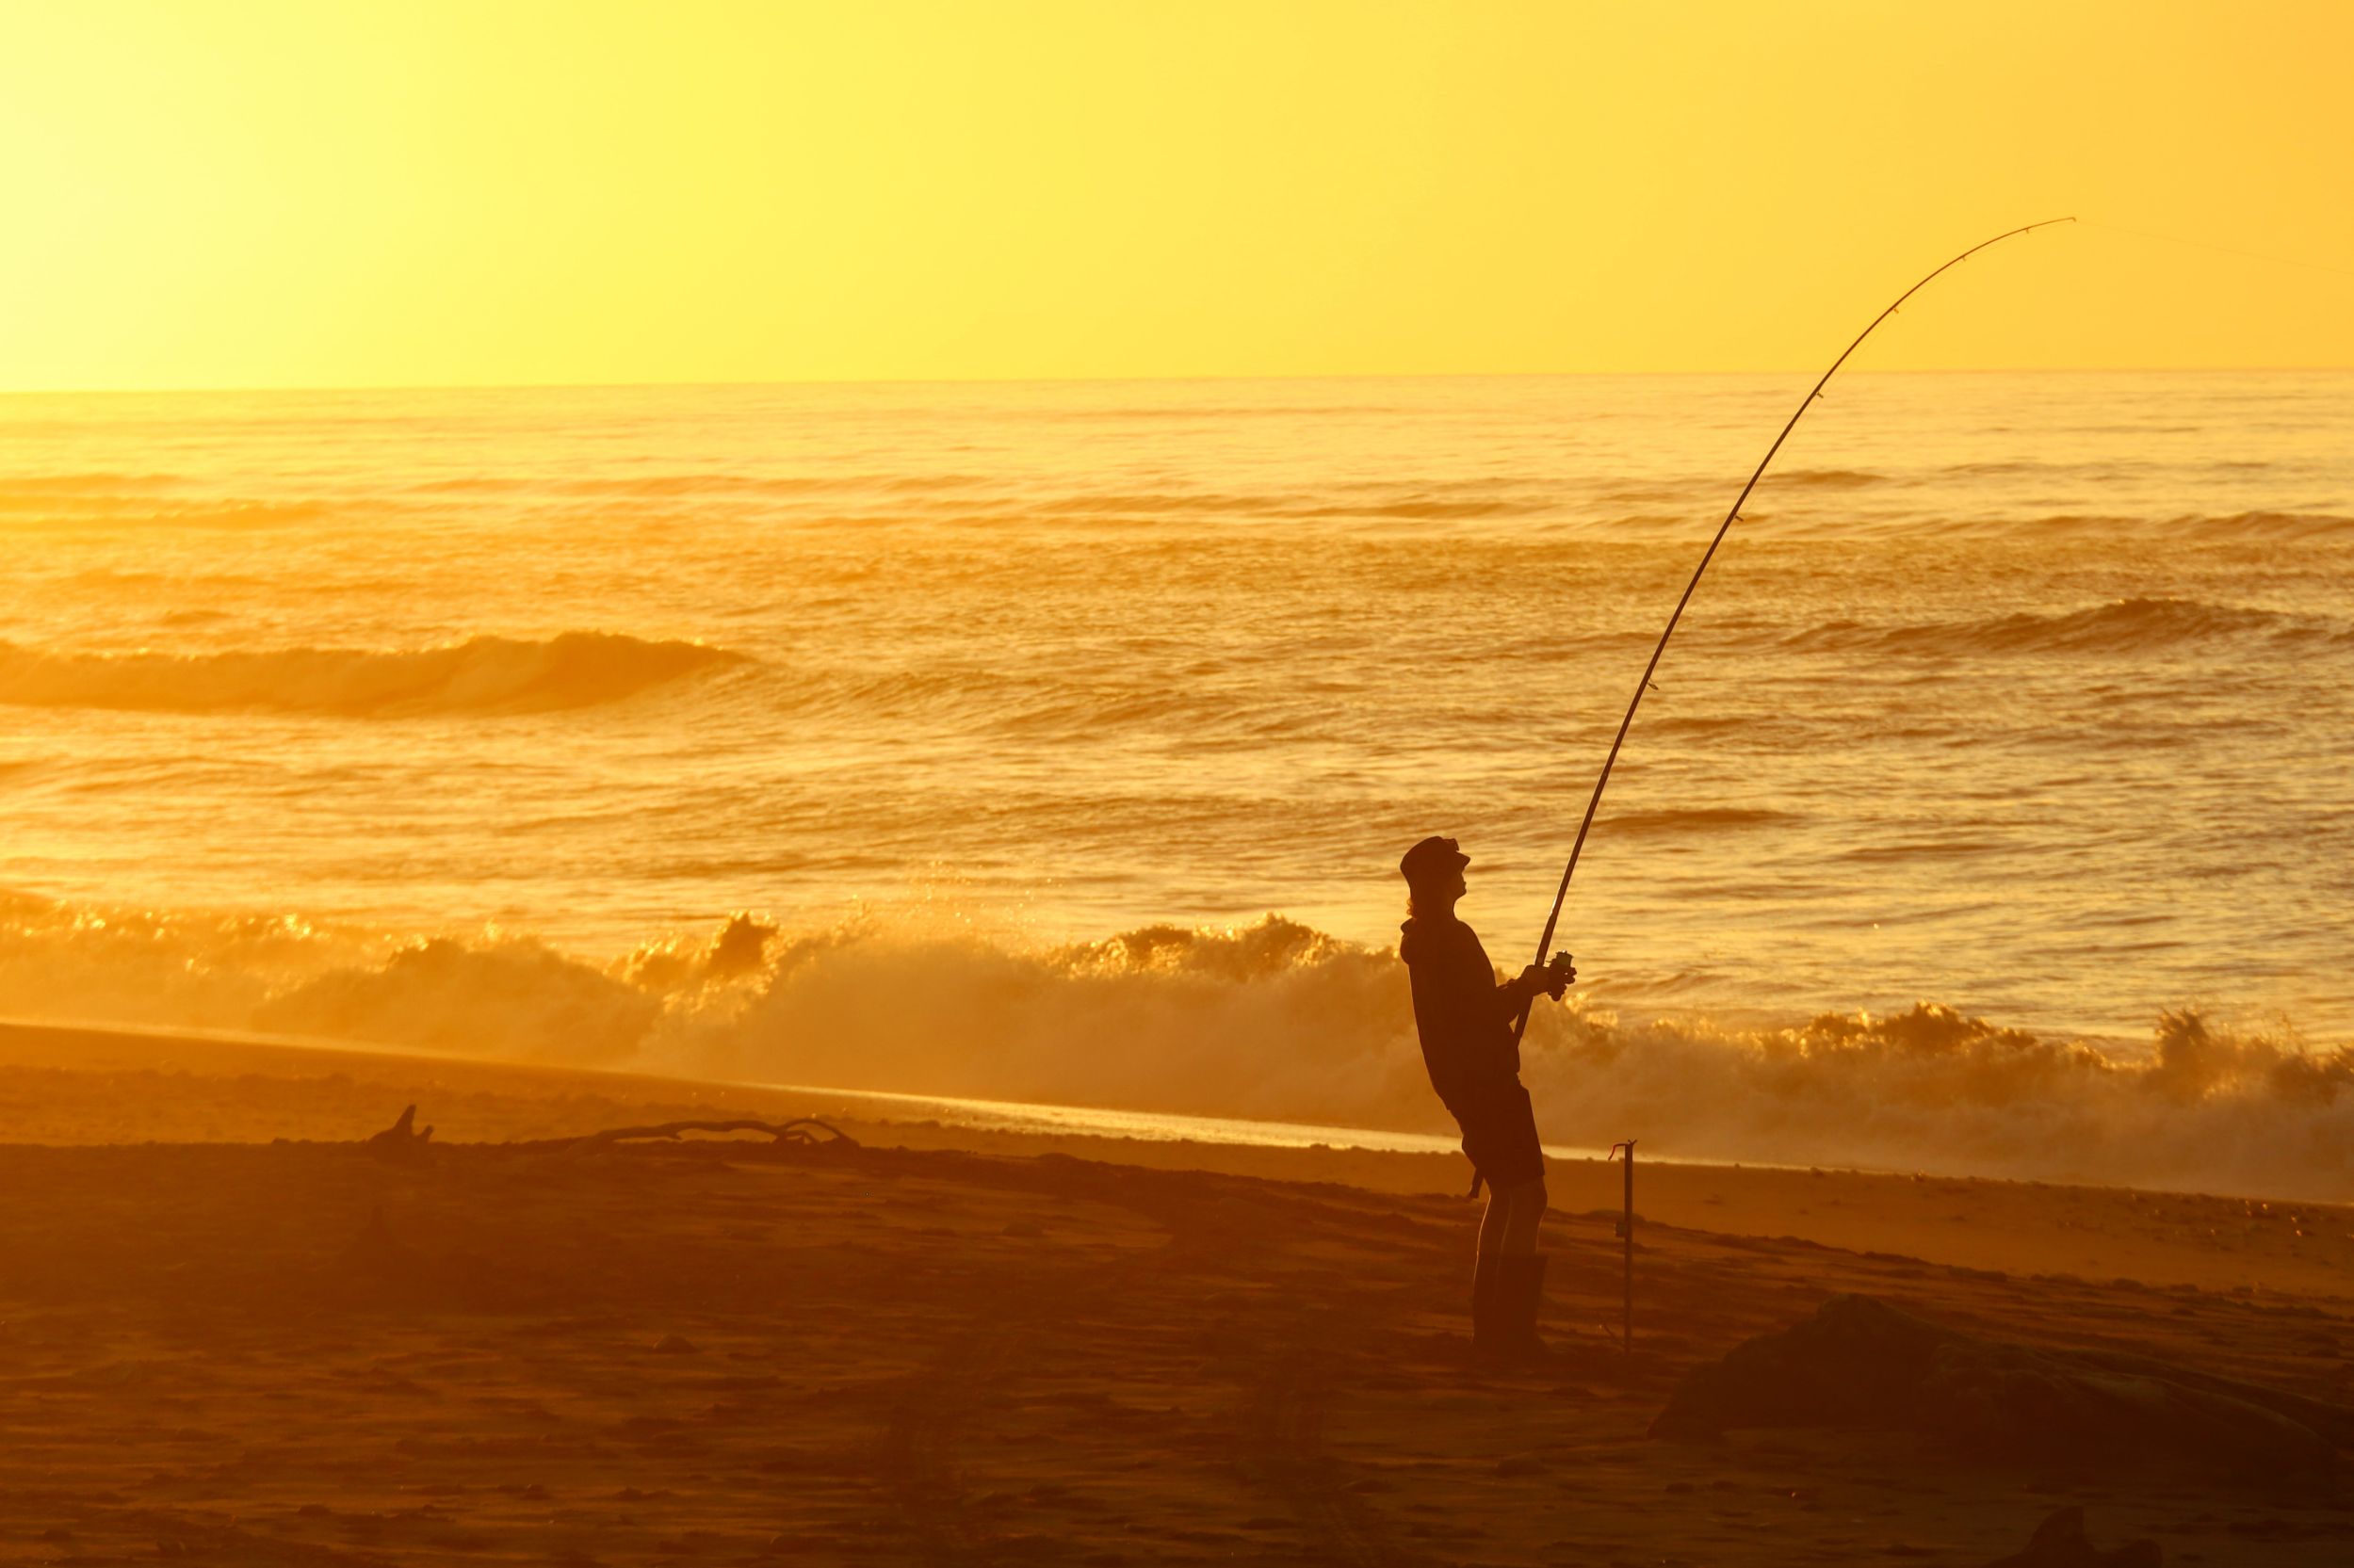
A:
(686, 384)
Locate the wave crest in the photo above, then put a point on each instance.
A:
(513, 997)
(482, 674)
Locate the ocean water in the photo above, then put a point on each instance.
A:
(1009, 714)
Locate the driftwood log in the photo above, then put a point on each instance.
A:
(794, 1131)
(403, 1145)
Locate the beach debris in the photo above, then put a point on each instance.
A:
(400, 1143)
(1861, 1363)
(2060, 1542)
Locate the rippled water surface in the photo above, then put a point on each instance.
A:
(2028, 693)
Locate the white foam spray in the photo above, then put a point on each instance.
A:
(1272, 1020)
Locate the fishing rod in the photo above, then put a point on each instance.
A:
(1520, 1025)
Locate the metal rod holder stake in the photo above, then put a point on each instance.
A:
(1626, 1232)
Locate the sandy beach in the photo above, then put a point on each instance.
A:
(229, 1332)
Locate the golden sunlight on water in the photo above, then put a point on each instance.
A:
(450, 718)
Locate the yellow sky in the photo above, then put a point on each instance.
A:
(408, 193)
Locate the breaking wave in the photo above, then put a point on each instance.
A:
(1273, 1020)
(482, 674)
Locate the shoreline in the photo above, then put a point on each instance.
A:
(82, 1086)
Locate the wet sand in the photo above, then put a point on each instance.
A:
(944, 1346)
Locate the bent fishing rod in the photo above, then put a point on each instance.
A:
(1602, 781)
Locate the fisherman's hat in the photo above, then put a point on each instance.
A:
(1432, 856)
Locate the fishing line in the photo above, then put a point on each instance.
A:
(1602, 781)
(2220, 249)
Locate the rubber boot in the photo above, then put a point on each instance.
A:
(1520, 1295)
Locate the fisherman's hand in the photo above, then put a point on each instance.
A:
(1552, 979)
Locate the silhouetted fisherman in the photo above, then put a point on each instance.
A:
(1465, 1021)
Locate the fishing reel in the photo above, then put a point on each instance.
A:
(1560, 972)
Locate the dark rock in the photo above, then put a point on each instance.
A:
(377, 1254)
(1861, 1363)
(2060, 1542)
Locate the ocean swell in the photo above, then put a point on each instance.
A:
(482, 674)
(1824, 479)
(2136, 626)
(1272, 1020)
(2282, 526)
(1695, 819)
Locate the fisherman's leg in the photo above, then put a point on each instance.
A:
(1484, 1267)
(1520, 1285)
(1520, 1221)
(1495, 1221)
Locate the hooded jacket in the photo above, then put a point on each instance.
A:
(1465, 1018)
